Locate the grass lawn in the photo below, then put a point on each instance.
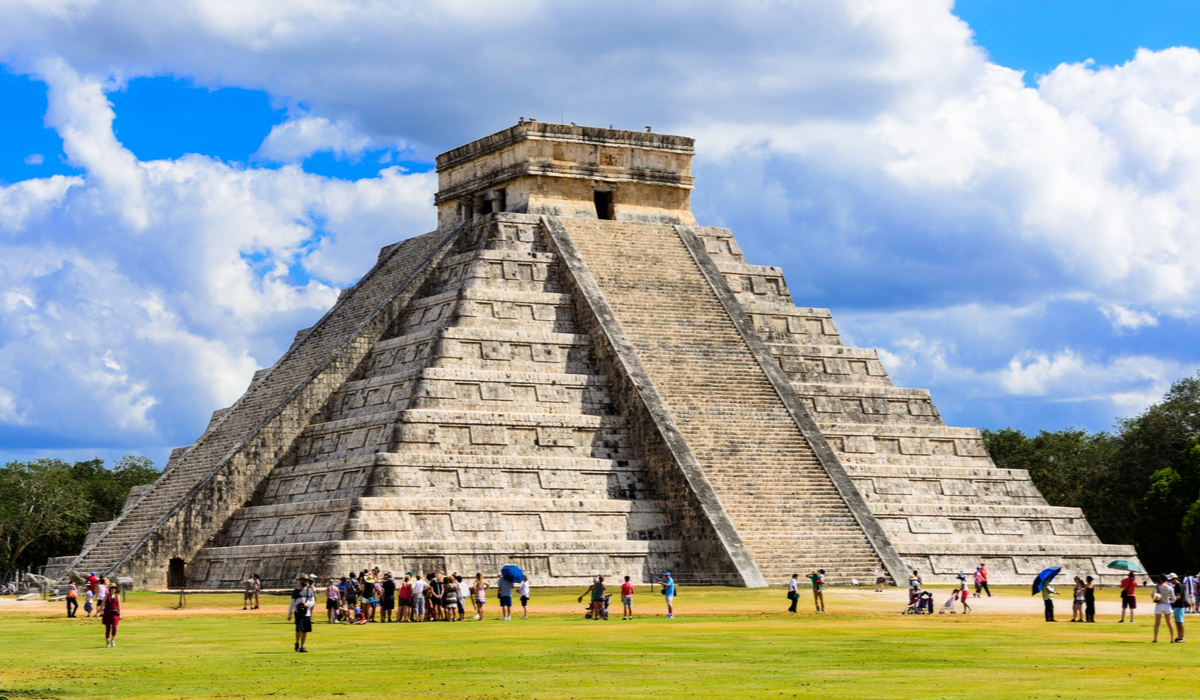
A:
(723, 642)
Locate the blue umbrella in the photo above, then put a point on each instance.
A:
(1043, 579)
(512, 574)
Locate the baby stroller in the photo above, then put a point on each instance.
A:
(921, 604)
(604, 613)
(948, 607)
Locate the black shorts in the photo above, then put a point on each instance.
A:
(303, 623)
(331, 604)
(389, 603)
(524, 600)
(351, 600)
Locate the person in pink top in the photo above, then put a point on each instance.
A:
(627, 599)
(1129, 586)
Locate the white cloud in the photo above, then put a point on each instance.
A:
(34, 159)
(1125, 320)
(143, 295)
(298, 138)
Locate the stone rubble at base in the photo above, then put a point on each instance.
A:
(571, 376)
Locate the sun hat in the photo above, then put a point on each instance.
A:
(1171, 576)
(302, 577)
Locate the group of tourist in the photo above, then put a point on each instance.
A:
(371, 596)
(13, 588)
(99, 596)
(599, 597)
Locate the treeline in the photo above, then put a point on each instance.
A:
(46, 505)
(1138, 485)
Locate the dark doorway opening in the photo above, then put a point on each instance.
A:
(604, 204)
(176, 578)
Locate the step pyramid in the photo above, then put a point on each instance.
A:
(570, 375)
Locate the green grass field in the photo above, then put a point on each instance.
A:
(723, 642)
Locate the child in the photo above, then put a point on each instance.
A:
(89, 596)
(523, 591)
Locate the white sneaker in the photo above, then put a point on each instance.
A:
(478, 617)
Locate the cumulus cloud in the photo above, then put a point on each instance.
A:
(1127, 320)
(142, 295)
(298, 138)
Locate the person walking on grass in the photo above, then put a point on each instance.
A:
(479, 597)
(248, 593)
(72, 599)
(257, 590)
(794, 592)
(1089, 600)
(978, 583)
(982, 569)
(1048, 593)
(1178, 606)
(111, 617)
(1164, 594)
(880, 579)
(333, 600)
(301, 607)
(523, 591)
(596, 603)
(1191, 585)
(627, 600)
(1077, 602)
(1129, 586)
(88, 596)
(818, 588)
(964, 593)
(668, 590)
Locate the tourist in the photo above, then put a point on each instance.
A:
(1048, 593)
(333, 601)
(1178, 606)
(1089, 600)
(72, 599)
(351, 596)
(523, 591)
(257, 590)
(436, 590)
(301, 606)
(914, 587)
(1129, 586)
(818, 588)
(794, 592)
(248, 593)
(479, 588)
(1077, 601)
(504, 593)
(596, 601)
(1191, 586)
(93, 583)
(978, 583)
(88, 596)
(101, 594)
(984, 582)
(418, 600)
(464, 594)
(964, 593)
(627, 599)
(449, 598)
(668, 591)
(366, 596)
(880, 581)
(404, 600)
(110, 616)
(389, 596)
(1163, 594)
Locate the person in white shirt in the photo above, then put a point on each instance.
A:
(880, 578)
(418, 599)
(794, 592)
(523, 591)
(464, 594)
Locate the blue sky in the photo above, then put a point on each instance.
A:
(1013, 228)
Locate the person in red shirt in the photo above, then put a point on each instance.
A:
(111, 617)
(1128, 596)
(627, 599)
(983, 583)
(92, 582)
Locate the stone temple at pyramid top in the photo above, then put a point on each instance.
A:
(570, 375)
(568, 171)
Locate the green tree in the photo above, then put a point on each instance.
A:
(40, 503)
